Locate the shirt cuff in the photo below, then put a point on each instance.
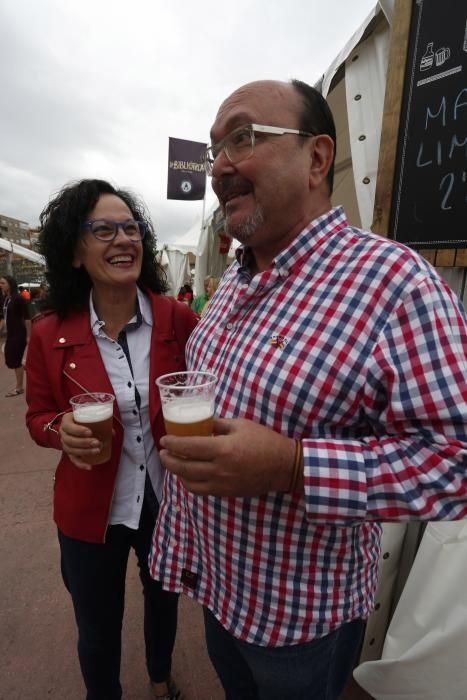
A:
(335, 481)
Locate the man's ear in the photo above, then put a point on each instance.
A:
(322, 154)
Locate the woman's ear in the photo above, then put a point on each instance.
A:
(322, 154)
(77, 261)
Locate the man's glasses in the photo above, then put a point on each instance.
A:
(240, 143)
(105, 230)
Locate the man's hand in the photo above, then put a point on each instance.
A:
(243, 458)
(78, 441)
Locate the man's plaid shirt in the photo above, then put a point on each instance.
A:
(353, 344)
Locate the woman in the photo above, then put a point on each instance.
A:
(211, 289)
(18, 329)
(108, 329)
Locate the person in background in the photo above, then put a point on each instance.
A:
(108, 328)
(341, 359)
(17, 324)
(211, 290)
(200, 299)
(188, 296)
(35, 302)
(185, 294)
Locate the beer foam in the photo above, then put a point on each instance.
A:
(188, 411)
(92, 413)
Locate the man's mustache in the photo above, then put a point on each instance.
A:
(229, 184)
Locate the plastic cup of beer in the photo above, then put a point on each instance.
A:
(188, 402)
(95, 411)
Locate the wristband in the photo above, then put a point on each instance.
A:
(297, 466)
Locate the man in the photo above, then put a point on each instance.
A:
(342, 390)
(200, 299)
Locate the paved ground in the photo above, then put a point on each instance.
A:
(38, 637)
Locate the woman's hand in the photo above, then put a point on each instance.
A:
(78, 442)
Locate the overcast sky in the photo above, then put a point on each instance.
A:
(94, 88)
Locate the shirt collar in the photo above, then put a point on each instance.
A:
(307, 240)
(143, 308)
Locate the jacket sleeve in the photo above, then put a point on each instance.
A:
(185, 321)
(43, 412)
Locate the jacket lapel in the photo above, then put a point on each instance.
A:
(83, 365)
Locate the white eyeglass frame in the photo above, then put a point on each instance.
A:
(213, 151)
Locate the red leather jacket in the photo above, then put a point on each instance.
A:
(63, 360)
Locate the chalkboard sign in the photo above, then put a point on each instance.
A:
(429, 195)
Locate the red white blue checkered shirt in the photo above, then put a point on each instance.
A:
(353, 344)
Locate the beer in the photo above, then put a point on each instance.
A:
(187, 400)
(95, 411)
(186, 418)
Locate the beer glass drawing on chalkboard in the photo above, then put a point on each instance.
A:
(439, 56)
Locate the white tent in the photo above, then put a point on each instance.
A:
(178, 255)
(200, 244)
(21, 251)
(354, 86)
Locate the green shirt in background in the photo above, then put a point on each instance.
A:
(198, 303)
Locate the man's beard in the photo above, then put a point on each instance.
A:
(244, 230)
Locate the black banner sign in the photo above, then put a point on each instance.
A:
(186, 177)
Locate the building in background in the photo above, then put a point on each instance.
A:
(15, 230)
(19, 233)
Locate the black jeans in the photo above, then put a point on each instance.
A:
(316, 670)
(94, 574)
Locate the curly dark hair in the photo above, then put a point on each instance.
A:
(59, 231)
(12, 284)
(316, 118)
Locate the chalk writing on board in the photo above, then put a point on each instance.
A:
(430, 190)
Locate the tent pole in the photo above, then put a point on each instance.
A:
(199, 277)
(203, 212)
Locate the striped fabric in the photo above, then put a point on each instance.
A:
(355, 345)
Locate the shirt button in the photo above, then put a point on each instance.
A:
(138, 439)
(229, 326)
(135, 412)
(141, 466)
(62, 340)
(177, 509)
(138, 499)
(173, 542)
(129, 385)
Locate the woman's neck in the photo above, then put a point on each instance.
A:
(115, 307)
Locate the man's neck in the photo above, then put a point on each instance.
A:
(262, 257)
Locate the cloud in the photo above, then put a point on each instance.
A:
(95, 89)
